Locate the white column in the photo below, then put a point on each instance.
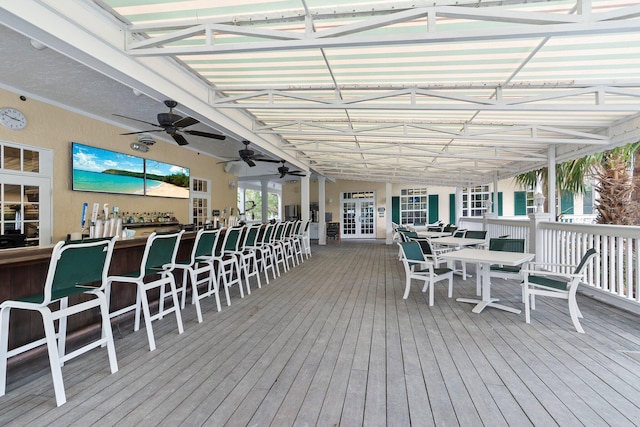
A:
(241, 203)
(551, 178)
(304, 198)
(535, 235)
(322, 224)
(494, 205)
(264, 189)
(387, 212)
(458, 205)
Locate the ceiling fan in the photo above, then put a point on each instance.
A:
(284, 171)
(174, 125)
(249, 156)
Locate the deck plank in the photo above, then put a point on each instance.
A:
(332, 342)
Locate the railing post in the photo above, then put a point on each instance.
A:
(535, 233)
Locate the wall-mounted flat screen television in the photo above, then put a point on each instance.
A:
(97, 169)
(166, 180)
(105, 171)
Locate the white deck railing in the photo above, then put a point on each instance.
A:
(616, 270)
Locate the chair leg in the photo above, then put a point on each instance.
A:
(136, 324)
(527, 303)
(54, 359)
(194, 294)
(4, 347)
(213, 282)
(407, 287)
(183, 288)
(142, 294)
(62, 330)
(107, 333)
(574, 312)
(450, 293)
(222, 274)
(176, 302)
(429, 284)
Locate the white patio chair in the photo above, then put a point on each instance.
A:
(543, 282)
(77, 267)
(416, 266)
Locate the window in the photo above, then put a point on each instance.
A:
(414, 206)
(19, 159)
(587, 201)
(253, 205)
(475, 200)
(25, 188)
(524, 202)
(200, 201)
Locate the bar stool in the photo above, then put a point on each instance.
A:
(158, 262)
(264, 252)
(305, 239)
(229, 272)
(279, 254)
(198, 270)
(247, 254)
(77, 267)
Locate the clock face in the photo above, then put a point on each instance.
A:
(12, 118)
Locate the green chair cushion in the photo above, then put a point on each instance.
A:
(505, 269)
(558, 283)
(437, 271)
(55, 294)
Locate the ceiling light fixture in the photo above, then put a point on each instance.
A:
(38, 45)
(146, 139)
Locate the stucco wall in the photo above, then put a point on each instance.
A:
(55, 128)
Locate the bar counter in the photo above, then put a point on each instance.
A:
(23, 272)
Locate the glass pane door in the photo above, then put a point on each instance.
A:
(358, 218)
(349, 219)
(367, 226)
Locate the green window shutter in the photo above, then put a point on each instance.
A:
(433, 208)
(520, 203)
(499, 202)
(566, 204)
(452, 208)
(395, 209)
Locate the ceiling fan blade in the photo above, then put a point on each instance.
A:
(250, 162)
(297, 173)
(185, 121)
(142, 131)
(137, 120)
(180, 139)
(228, 161)
(204, 134)
(282, 175)
(266, 160)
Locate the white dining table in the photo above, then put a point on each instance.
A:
(458, 242)
(433, 234)
(484, 258)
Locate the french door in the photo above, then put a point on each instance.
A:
(358, 218)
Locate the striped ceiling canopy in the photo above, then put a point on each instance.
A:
(435, 92)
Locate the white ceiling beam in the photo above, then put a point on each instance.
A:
(617, 99)
(525, 24)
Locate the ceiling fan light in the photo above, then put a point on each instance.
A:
(136, 146)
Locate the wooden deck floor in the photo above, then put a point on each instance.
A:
(332, 342)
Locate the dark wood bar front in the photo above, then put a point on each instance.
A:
(23, 272)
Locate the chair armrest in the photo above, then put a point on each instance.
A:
(420, 262)
(550, 264)
(567, 276)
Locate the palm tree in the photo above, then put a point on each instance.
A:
(611, 170)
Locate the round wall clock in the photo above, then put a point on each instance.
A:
(12, 118)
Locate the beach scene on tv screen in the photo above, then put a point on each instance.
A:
(167, 180)
(96, 169)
